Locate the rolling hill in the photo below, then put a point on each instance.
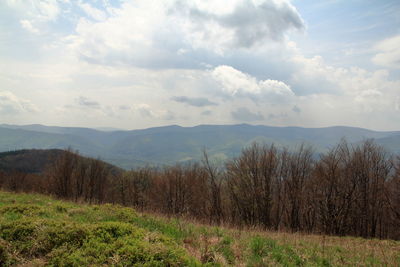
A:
(170, 144)
(35, 160)
(28, 160)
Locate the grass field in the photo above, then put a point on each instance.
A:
(37, 230)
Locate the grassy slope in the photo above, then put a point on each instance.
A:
(37, 230)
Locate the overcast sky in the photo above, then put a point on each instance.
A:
(144, 63)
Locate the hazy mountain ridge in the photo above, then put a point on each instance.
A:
(170, 144)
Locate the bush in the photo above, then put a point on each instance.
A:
(21, 230)
(4, 258)
(114, 243)
(23, 209)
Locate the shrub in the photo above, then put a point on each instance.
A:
(21, 230)
(4, 258)
(114, 243)
(23, 209)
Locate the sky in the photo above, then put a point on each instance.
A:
(143, 63)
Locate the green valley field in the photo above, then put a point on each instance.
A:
(37, 230)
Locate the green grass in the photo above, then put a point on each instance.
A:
(37, 230)
(268, 249)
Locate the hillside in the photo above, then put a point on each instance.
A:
(28, 161)
(35, 160)
(171, 144)
(390, 142)
(39, 231)
(16, 139)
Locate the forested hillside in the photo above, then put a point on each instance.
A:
(171, 144)
(28, 161)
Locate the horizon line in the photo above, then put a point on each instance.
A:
(116, 129)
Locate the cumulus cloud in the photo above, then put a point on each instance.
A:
(194, 101)
(27, 25)
(388, 52)
(91, 108)
(314, 76)
(93, 12)
(243, 114)
(47, 9)
(169, 34)
(244, 24)
(147, 111)
(10, 104)
(87, 103)
(39, 10)
(369, 100)
(236, 83)
(236, 62)
(126, 37)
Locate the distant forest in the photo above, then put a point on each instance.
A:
(350, 190)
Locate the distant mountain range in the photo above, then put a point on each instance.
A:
(171, 144)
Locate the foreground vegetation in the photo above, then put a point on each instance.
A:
(37, 230)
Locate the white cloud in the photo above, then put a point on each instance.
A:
(243, 114)
(241, 24)
(10, 104)
(167, 34)
(38, 17)
(238, 84)
(194, 101)
(47, 9)
(92, 12)
(227, 62)
(27, 25)
(40, 10)
(122, 38)
(87, 103)
(388, 52)
(146, 111)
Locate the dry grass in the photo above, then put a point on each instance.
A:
(204, 243)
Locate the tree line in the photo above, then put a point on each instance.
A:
(349, 190)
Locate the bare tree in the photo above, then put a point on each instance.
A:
(300, 169)
(251, 179)
(335, 190)
(97, 181)
(214, 181)
(61, 174)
